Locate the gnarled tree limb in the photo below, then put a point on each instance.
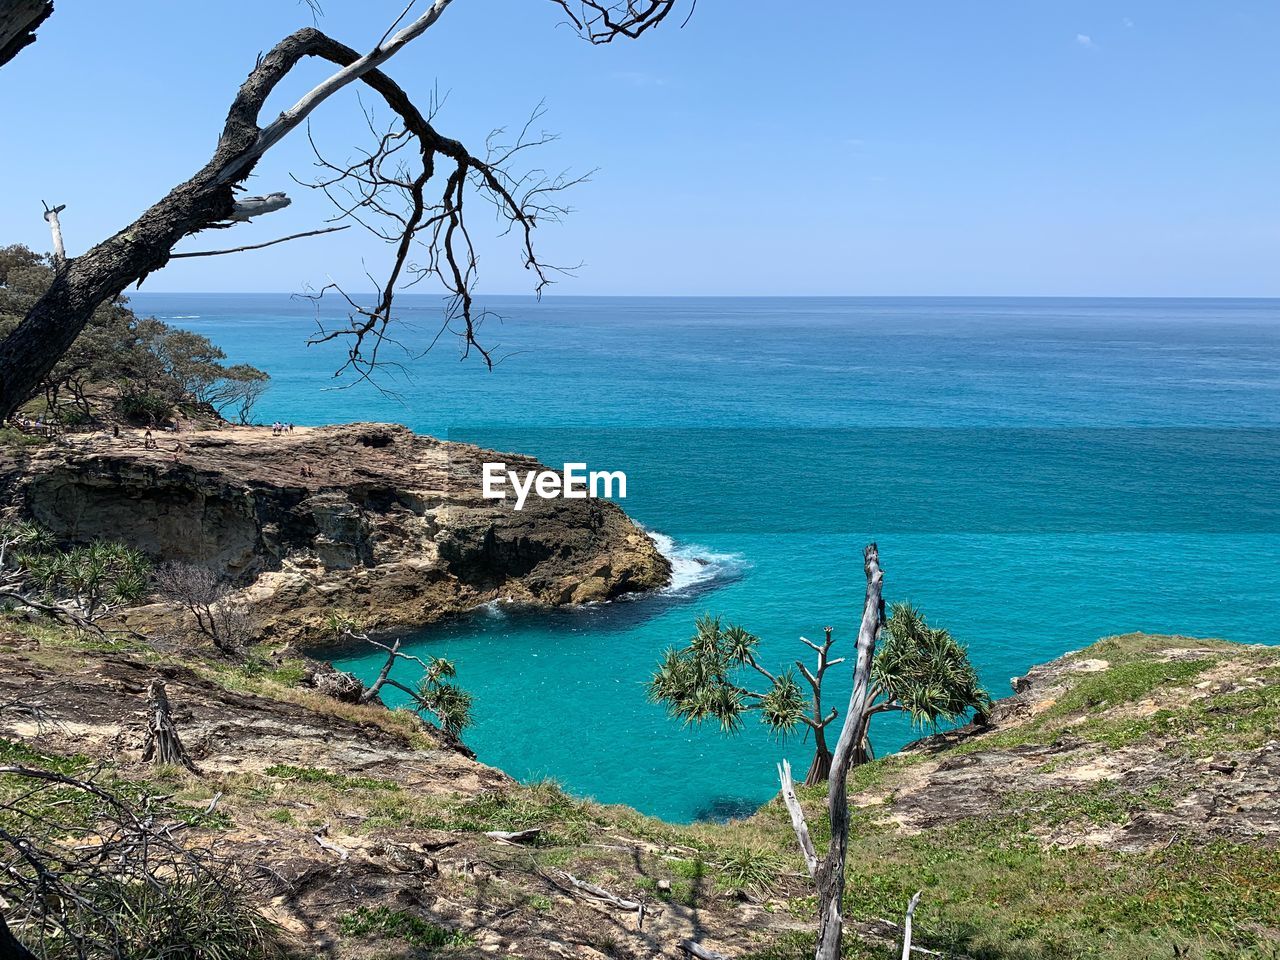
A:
(208, 198)
(18, 22)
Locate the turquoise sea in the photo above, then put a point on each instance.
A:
(1038, 473)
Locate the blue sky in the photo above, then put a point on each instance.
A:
(1098, 147)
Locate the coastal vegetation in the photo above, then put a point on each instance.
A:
(122, 366)
(920, 670)
(186, 775)
(1032, 838)
(76, 582)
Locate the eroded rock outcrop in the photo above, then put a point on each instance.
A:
(368, 519)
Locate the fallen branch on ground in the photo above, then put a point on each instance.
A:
(516, 837)
(699, 952)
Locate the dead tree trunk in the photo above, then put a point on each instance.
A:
(55, 232)
(820, 768)
(828, 873)
(18, 22)
(163, 745)
(906, 925)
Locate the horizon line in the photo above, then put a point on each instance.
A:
(741, 296)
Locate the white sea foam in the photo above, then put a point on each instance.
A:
(693, 566)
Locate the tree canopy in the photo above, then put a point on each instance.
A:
(122, 364)
(920, 670)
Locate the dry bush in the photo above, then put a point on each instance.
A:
(209, 599)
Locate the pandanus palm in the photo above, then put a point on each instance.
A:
(700, 683)
(921, 671)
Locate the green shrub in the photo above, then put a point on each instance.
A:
(384, 922)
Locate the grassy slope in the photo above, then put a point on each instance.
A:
(999, 881)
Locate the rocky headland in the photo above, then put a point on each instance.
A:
(367, 520)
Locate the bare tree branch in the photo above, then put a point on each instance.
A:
(906, 925)
(604, 22)
(208, 200)
(259, 246)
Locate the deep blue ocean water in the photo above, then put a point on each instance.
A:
(1038, 473)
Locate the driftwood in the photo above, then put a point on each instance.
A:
(592, 892)
(342, 852)
(696, 950)
(163, 744)
(598, 895)
(828, 872)
(515, 837)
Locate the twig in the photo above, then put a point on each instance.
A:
(259, 246)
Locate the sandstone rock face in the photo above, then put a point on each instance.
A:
(369, 520)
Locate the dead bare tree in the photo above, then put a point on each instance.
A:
(18, 22)
(209, 600)
(163, 744)
(435, 694)
(828, 872)
(209, 198)
(55, 232)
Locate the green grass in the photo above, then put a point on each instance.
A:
(389, 924)
(564, 819)
(291, 673)
(1124, 683)
(326, 778)
(20, 755)
(12, 437)
(752, 870)
(990, 893)
(1103, 803)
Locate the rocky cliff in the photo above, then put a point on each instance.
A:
(368, 519)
